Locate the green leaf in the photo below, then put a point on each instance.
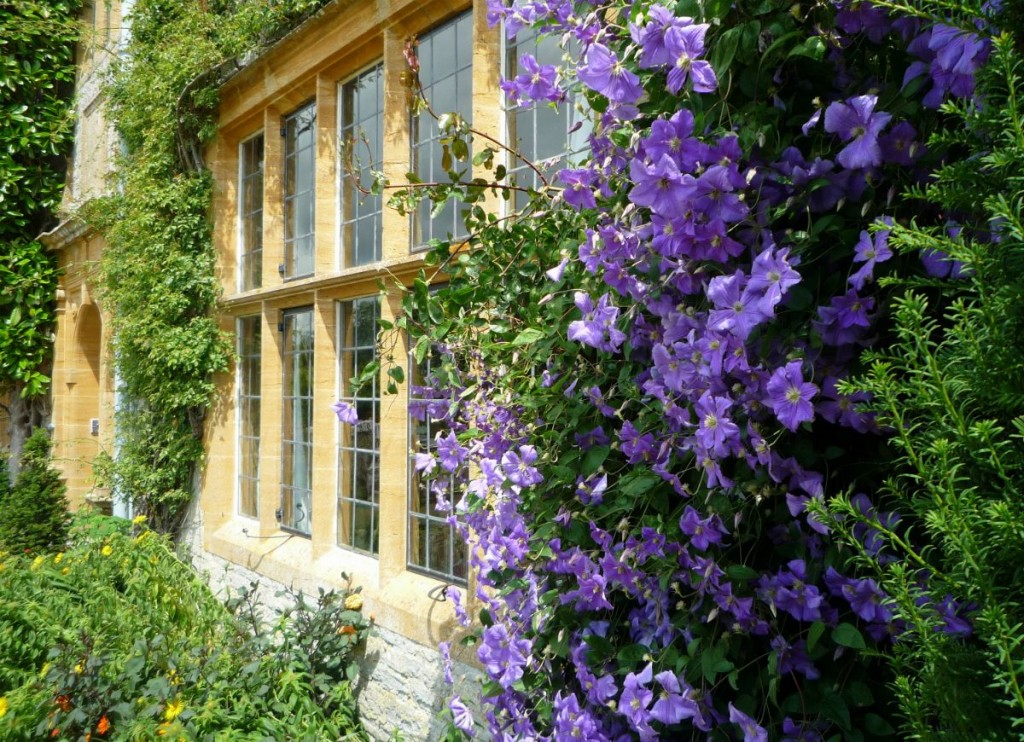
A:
(632, 655)
(832, 707)
(847, 635)
(858, 694)
(713, 662)
(637, 482)
(814, 634)
(724, 51)
(741, 573)
(876, 726)
(421, 349)
(593, 459)
(527, 336)
(812, 48)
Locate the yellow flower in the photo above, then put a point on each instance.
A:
(173, 709)
(138, 520)
(45, 669)
(79, 668)
(3, 706)
(38, 562)
(65, 571)
(59, 558)
(354, 602)
(107, 550)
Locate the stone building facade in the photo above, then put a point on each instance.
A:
(290, 496)
(82, 413)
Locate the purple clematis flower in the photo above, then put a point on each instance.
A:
(660, 186)
(461, 715)
(790, 396)
(537, 82)
(752, 731)
(715, 195)
(716, 431)
(345, 412)
(636, 697)
(684, 45)
(597, 328)
(579, 188)
(855, 121)
(702, 531)
(519, 468)
(674, 703)
(502, 655)
(772, 275)
(603, 72)
(736, 311)
(869, 251)
(450, 454)
(900, 146)
(651, 37)
(938, 264)
(555, 274)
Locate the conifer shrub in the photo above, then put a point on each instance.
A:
(949, 389)
(35, 509)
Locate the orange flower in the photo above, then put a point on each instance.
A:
(55, 733)
(64, 703)
(104, 726)
(347, 630)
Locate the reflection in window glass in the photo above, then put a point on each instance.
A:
(545, 134)
(446, 74)
(359, 444)
(299, 192)
(297, 420)
(249, 376)
(362, 132)
(434, 545)
(250, 211)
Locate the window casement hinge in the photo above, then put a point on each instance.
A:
(284, 131)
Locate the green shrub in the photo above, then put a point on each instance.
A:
(35, 510)
(950, 389)
(36, 89)
(5, 479)
(118, 638)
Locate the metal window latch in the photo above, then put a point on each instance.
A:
(279, 514)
